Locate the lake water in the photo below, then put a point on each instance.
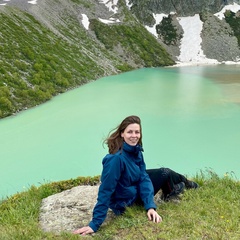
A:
(190, 118)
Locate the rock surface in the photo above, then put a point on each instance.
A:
(181, 8)
(69, 209)
(218, 40)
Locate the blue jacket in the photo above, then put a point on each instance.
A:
(123, 180)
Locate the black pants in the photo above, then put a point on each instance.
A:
(165, 179)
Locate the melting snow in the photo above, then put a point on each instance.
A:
(110, 20)
(234, 8)
(190, 49)
(110, 4)
(128, 4)
(33, 2)
(85, 21)
(158, 19)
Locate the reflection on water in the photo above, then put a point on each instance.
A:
(226, 76)
(189, 114)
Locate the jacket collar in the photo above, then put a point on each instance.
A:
(132, 149)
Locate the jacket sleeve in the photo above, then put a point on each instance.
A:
(112, 168)
(146, 189)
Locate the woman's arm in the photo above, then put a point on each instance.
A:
(112, 168)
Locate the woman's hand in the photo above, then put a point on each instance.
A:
(83, 231)
(153, 216)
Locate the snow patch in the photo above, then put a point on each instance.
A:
(110, 4)
(3, 4)
(233, 7)
(85, 21)
(190, 49)
(33, 2)
(128, 4)
(158, 18)
(191, 52)
(110, 20)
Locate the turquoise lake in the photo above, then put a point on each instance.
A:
(190, 118)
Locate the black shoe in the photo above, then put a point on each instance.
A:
(191, 184)
(177, 189)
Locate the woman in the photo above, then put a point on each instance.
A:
(125, 181)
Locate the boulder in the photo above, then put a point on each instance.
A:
(69, 210)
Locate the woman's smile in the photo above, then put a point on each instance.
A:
(132, 134)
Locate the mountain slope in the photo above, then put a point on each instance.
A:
(45, 49)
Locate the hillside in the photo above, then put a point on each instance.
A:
(45, 49)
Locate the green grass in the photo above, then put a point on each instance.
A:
(210, 212)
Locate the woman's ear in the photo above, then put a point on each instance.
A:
(122, 134)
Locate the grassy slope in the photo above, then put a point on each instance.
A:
(211, 212)
(38, 62)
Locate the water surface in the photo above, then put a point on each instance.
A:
(190, 118)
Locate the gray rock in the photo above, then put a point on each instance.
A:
(181, 8)
(69, 210)
(218, 40)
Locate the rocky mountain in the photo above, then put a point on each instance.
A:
(220, 37)
(49, 47)
(144, 9)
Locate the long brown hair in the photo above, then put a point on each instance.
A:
(114, 140)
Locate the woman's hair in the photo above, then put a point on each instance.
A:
(114, 140)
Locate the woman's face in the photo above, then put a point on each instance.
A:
(132, 134)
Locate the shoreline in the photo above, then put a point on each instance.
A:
(210, 63)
